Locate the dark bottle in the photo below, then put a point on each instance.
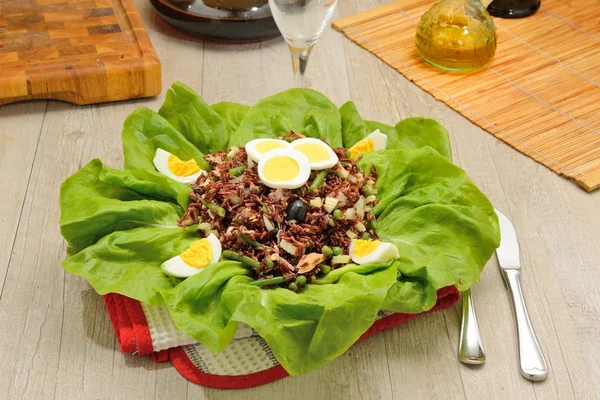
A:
(513, 8)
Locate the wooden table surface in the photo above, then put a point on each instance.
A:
(56, 340)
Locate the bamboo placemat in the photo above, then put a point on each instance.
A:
(540, 94)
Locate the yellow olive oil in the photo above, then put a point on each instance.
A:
(456, 35)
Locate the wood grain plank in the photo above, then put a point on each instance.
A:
(571, 249)
(38, 294)
(550, 313)
(18, 144)
(31, 303)
(112, 374)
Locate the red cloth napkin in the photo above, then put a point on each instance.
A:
(256, 364)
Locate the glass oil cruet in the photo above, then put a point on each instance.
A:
(456, 35)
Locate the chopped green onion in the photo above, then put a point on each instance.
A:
(317, 202)
(340, 259)
(350, 213)
(330, 203)
(205, 226)
(351, 234)
(360, 227)
(341, 199)
(360, 204)
(233, 152)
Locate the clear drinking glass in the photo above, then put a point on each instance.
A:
(301, 23)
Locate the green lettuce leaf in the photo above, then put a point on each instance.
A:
(354, 128)
(416, 132)
(303, 111)
(410, 133)
(128, 262)
(198, 305)
(151, 183)
(199, 123)
(98, 200)
(232, 113)
(443, 226)
(305, 331)
(144, 131)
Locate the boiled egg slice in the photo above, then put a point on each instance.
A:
(257, 148)
(374, 142)
(372, 251)
(195, 258)
(284, 169)
(172, 166)
(319, 154)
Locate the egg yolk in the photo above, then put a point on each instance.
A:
(182, 168)
(364, 146)
(264, 147)
(198, 255)
(279, 169)
(314, 152)
(365, 247)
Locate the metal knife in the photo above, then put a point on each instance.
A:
(533, 364)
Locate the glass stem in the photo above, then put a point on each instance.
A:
(300, 57)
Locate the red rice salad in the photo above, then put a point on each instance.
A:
(285, 236)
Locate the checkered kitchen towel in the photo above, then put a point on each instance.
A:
(247, 361)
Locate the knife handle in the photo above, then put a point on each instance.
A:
(470, 350)
(533, 364)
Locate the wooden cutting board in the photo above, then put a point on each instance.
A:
(80, 51)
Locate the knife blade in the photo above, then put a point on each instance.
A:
(532, 363)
